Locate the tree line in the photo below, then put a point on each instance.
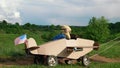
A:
(98, 29)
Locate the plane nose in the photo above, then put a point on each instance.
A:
(95, 46)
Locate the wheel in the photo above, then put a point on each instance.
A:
(52, 61)
(85, 61)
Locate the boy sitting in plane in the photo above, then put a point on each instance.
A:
(65, 33)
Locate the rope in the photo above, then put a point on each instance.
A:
(107, 47)
(111, 41)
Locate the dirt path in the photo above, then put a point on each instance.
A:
(99, 58)
(29, 60)
(19, 61)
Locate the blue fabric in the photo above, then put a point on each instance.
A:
(23, 36)
(59, 36)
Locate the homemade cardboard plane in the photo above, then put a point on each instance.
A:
(72, 49)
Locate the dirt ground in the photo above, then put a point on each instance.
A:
(29, 60)
(16, 61)
(103, 59)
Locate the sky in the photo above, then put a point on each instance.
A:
(58, 12)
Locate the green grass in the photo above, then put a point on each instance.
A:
(104, 65)
(8, 49)
(92, 65)
(43, 66)
(114, 51)
(110, 50)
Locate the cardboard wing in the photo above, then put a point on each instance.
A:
(60, 48)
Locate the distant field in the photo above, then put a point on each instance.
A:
(9, 50)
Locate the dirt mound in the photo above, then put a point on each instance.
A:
(99, 58)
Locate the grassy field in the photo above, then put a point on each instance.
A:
(92, 65)
(109, 50)
(8, 49)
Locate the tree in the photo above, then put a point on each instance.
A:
(4, 22)
(98, 29)
(17, 24)
(114, 27)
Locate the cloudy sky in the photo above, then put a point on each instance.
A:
(58, 12)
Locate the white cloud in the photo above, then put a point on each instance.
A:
(74, 12)
(10, 10)
(108, 8)
(17, 14)
(48, 0)
(2, 17)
